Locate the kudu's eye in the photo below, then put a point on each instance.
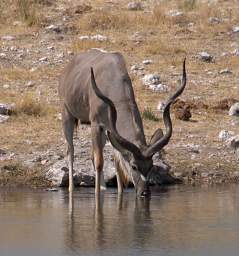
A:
(134, 167)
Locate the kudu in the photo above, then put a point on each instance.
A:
(95, 88)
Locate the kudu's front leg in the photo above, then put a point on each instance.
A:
(98, 142)
(68, 122)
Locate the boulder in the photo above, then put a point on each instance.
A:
(84, 173)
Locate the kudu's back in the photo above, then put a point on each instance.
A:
(77, 95)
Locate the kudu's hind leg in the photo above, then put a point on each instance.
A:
(98, 143)
(68, 122)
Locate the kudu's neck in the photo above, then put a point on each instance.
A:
(129, 123)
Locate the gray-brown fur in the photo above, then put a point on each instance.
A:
(79, 100)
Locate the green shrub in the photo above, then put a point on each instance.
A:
(148, 114)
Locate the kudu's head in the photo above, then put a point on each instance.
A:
(139, 160)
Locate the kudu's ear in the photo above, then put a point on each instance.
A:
(158, 134)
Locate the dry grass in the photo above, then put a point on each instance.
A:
(16, 73)
(14, 173)
(123, 21)
(29, 105)
(161, 47)
(104, 20)
(29, 11)
(83, 45)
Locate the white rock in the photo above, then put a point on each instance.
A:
(70, 53)
(43, 59)
(225, 135)
(225, 71)
(51, 47)
(52, 189)
(147, 62)
(235, 29)
(151, 79)
(214, 20)
(134, 6)
(3, 118)
(17, 23)
(6, 86)
(224, 54)
(99, 38)
(161, 106)
(33, 69)
(30, 84)
(204, 56)
(13, 48)
(236, 52)
(84, 37)
(234, 109)
(175, 13)
(60, 55)
(194, 148)
(137, 67)
(3, 55)
(8, 38)
(178, 174)
(54, 28)
(158, 87)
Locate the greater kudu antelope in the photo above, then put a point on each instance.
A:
(95, 88)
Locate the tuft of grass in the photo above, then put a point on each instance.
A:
(27, 10)
(159, 16)
(104, 20)
(28, 105)
(148, 114)
(188, 5)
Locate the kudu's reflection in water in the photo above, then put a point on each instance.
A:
(107, 224)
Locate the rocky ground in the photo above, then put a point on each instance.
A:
(38, 38)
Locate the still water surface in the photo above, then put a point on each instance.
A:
(176, 221)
